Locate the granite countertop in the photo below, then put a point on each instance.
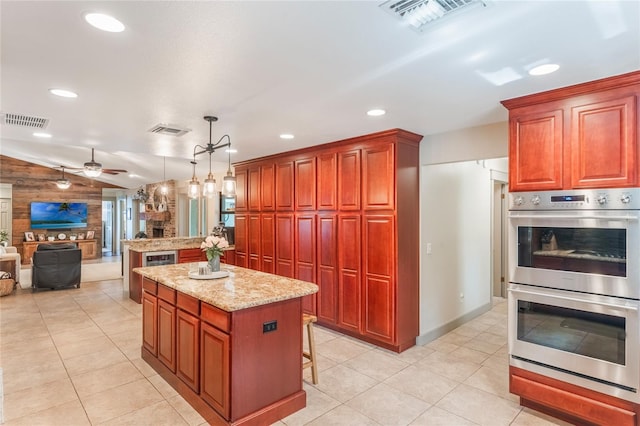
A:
(576, 254)
(161, 244)
(242, 289)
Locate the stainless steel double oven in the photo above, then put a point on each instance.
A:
(574, 287)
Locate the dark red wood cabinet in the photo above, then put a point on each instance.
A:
(582, 136)
(344, 218)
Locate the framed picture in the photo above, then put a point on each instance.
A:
(42, 237)
(81, 236)
(28, 236)
(90, 235)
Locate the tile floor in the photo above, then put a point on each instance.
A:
(72, 357)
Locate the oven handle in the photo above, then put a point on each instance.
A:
(551, 216)
(572, 299)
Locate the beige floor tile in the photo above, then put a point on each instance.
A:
(376, 365)
(66, 337)
(422, 383)
(498, 362)
(85, 347)
(115, 402)
(158, 414)
(16, 335)
(440, 345)
(455, 338)
(341, 349)
(104, 358)
(343, 416)
(38, 398)
(25, 376)
(29, 358)
(448, 366)
(411, 355)
(481, 344)
(529, 417)
(103, 379)
(9, 351)
(470, 355)
(162, 386)
(67, 414)
(143, 367)
(318, 404)
(492, 381)
(388, 406)
(343, 383)
(479, 406)
(186, 411)
(435, 416)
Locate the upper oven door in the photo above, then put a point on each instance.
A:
(588, 251)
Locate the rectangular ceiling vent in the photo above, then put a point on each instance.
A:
(418, 13)
(25, 121)
(169, 129)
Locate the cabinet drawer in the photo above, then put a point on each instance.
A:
(167, 294)
(188, 303)
(149, 286)
(216, 317)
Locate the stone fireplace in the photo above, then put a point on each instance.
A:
(160, 211)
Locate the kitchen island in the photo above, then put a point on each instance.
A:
(232, 347)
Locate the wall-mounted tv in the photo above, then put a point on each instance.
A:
(51, 215)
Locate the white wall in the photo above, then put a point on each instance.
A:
(456, 219)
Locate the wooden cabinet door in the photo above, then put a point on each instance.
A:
(379, 278)
(284, 244)
(349, 180)
(267, 242)
(305, 184)
(241, 190)
(135, 279)
(604, 143)
(167, 334)
(215, 368)
(253, 189)
(188, 349)
(378, 177)
(242, 240)
(254, 242)
(88, 249)
(284, 186)
(327, 296)
(150, 323)
(267, 188)
(305, 256)
(191, 255)
(327, 185)
(349, 272)
(536, 150)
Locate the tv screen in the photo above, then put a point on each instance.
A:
(50, 215)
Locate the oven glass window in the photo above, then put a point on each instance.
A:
(587, 250)
(590, 334)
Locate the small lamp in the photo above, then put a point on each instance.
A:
(194, 185)
(229, 181)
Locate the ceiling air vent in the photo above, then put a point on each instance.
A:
(25, 121)
(418, 13)
(169, 129)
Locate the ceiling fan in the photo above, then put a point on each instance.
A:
(94, 169)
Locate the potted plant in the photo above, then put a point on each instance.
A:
(4, 238)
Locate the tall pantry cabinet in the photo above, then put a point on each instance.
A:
(345, 216)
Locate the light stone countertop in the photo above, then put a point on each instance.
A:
(161, 244)
(242, 289)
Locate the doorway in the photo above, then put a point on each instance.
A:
(499, 238)
(108, 228)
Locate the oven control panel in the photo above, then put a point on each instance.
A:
(578, 199)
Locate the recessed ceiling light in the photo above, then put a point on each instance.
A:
(376, 112)
(104, 22)
(544, 69)
(63, 93)
(286, 136)
(231, 150)
(41, 135)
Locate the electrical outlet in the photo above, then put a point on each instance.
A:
(269, 326)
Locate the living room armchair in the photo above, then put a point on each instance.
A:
(10, 262)
(56, 266)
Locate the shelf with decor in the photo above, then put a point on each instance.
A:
(89, 248)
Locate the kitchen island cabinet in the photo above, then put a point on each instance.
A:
(231, 346)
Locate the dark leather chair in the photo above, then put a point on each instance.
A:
(56, 266)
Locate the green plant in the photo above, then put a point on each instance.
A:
(4, 236)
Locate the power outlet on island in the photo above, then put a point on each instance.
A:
(269, 326)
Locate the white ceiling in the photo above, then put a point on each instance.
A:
(311, 68)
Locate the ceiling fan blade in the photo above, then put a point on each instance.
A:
(113, 171)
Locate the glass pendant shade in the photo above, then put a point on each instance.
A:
(194, 188)
(63, 183)
(209, 187)
(92, 170)
(229, 185)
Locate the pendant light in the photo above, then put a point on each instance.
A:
(209, 187)
(229, 181)
(194, 185)
(63, 183)
(164, 189)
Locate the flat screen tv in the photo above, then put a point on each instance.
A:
(51, 215)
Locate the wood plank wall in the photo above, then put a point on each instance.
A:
(31, 182)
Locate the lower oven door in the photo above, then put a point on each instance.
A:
(588, 340)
